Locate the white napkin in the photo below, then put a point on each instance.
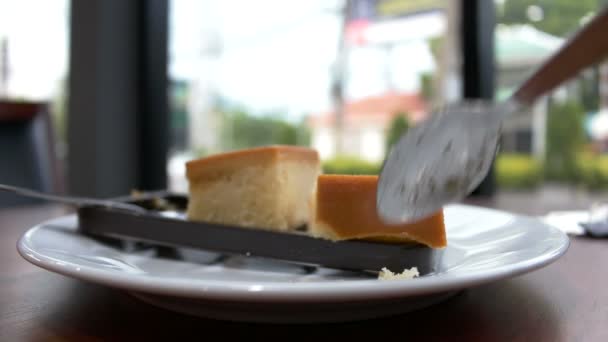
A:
(567, 221)
(593, 222)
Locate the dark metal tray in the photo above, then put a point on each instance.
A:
(157, 227)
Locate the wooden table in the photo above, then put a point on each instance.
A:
(566, 301)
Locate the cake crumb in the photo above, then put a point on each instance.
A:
(386, 274)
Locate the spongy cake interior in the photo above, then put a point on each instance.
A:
(265, 188)
(344, 207)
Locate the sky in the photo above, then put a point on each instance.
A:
(38, 40)
(277, 54)
(265, 55)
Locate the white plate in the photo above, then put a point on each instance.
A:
(484, 245)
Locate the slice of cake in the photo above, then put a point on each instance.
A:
(344, 207)
(266, 187)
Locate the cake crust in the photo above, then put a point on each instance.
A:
(265, 187)
(345, 208)
(208, 167)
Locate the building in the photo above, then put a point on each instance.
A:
(519, 50)
(365, 124)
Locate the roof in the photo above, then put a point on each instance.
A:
(523, 44)
(376, 109)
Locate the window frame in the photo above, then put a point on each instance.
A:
(138, 118)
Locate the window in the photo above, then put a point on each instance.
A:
(334, 75)
(562, 139)
(34, 55)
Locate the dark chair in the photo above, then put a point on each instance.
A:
(27, 150)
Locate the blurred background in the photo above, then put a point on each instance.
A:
(135, 90)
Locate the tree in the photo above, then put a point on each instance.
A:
(242, 130)
(556, 17)
(59, 112)
(397, 128)
(426, 86)
(589, 89)
(565, 139)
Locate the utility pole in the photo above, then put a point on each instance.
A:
(337, 91)
(4, 67)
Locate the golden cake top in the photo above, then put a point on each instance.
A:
(347, 205)
(251, 156)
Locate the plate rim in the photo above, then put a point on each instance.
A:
(338, 290)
